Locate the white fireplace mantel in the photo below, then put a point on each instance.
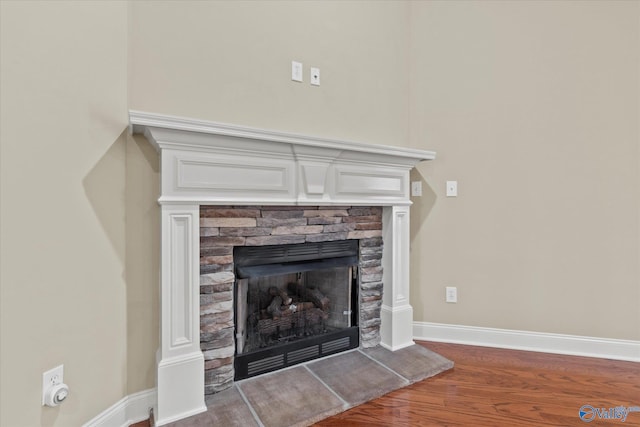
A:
(207, 163)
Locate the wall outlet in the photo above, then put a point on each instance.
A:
(50, 378)
(452, 188)
(314, 76)
(451, 293)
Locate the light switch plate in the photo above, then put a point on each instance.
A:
(451, 293)
(296, 71)
(416, 188)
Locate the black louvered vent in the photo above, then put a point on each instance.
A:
(265, 365)
(303, 354)
(279, 254)
(335, 345)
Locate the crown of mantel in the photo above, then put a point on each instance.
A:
(209, 162)
(141, 121)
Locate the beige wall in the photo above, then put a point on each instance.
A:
(231, 62)
(79, 216)
(64, 295)
(533, 109)
(142, 262)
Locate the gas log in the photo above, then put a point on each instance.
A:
(308, 319)
(308, 294)
(274, 307)
(273, 291)
(287, 310)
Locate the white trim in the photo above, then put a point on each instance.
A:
(180, 362)
(139, 120)
(396, 314)
(214, 162)
(576, 345)
(128, 410)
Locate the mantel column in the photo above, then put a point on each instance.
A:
(396, 330)
(180, 361)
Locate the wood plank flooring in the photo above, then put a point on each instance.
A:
(497, 387)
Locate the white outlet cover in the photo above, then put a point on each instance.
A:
(315, 76)
(50, 378)
(452, 188)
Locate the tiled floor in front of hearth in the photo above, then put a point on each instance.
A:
(307, 393)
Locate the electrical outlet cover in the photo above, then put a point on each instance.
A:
(452, 188)
(315, 76)
(50, 378)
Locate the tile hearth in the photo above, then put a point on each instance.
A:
(305, 394)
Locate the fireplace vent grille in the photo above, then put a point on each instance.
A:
(263, 361)
(256, 255)
(296, 356)
(335, 345)
(266, 364)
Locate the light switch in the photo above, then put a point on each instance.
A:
(296, 71)
(416, 188)
(451, 293)
(452, 188)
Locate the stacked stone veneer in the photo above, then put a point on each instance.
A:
(224, 227)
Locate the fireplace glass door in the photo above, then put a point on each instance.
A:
(294, 303)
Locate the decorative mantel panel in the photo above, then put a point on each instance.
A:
(207, 163)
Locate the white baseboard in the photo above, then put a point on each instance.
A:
(531, 341)
(128, 410)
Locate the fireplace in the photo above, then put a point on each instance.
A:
(328, 261)
(212, 164)
(294, 303)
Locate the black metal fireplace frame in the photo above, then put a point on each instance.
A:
(290, 258)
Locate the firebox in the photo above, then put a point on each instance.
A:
(294, 303)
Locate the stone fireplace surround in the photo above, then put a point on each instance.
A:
(224, 227)
(211, 164)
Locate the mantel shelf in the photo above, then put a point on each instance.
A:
(140, 121)
(212, 163)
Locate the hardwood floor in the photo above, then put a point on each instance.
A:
(496, 387)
